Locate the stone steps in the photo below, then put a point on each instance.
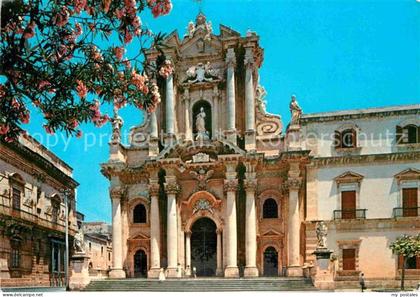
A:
(203, 285)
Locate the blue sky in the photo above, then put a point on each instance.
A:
(333, 55)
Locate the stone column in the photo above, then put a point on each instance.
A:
(172, 189)
(219, 267)
(231, 101)
(249, 100)
(231, 269)
(293, 184)
(188, 253)
(117, 261)
(188, 129)
(215, 113)
(250, 230)
(170, 110)
(154, 231)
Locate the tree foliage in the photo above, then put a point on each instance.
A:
(60, 56)
(407, 246)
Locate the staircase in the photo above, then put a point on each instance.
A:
(203, 285)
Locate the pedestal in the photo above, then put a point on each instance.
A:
(172, 273)
(169, 139)
(251, 272)
(153, 273)
(231, 272)
(324, 278)
(79, 278)
(250, 140)
(117, 273)
(294, 271)
(153, 147)
(231, 136)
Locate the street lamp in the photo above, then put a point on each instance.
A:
(66, 193)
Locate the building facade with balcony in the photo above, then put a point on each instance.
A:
(32, 214)
(364, 181)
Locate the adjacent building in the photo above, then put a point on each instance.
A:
(33, 182)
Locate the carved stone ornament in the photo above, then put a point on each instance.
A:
(202, 204)
(116, 192)
(230, 58)
(202, 176)
(154, 189)
(200, 25)
(231, 185)
(294, 183)
(201, 158)
(250, 185)
(172, 188)
(201, 73)
(267, 124)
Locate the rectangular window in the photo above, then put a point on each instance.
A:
(410, 202)
(349, 259)
(15, 258)
(16, 198)
(412, 263)
(348, 204)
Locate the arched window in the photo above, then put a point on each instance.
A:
(270, 210)
(139, 214)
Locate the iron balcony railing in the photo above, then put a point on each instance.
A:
(406, 212)
(343, 214)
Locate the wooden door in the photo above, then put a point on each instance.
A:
(410, 206)
(348, 204)
(349, 259)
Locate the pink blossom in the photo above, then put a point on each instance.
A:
(159, 7)
(138, 80)
(43, 84)
(79, 29)
(127, 37)
(29, 31)
(130, 7)
(49, 130)
(81, 89)
(61, 18)
(79, 5)
(120, 13)
(166, 69)
(127, 64)
(73, 124)
(4, 128)
(79, 134)
(119, 52)
(24, 117)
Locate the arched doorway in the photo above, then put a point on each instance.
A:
(140, 264)
(204, 247)
(271, 260)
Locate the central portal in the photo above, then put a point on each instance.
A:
(204, 247)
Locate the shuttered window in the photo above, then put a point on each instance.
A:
(349, 259)
(410, 202)
(348, 204)
(412, 263)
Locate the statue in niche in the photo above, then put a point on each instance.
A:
(200, 125)
(295, 110)
(321, 235)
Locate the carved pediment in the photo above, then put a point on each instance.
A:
(408, 174)
(139, 236)
(271, 233)
(348, 177)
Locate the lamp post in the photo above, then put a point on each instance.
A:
(66, 255)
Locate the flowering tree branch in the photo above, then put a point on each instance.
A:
(57, 56)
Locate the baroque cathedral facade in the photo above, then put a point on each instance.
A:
(211, 185)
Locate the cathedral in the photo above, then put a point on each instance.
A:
(211, 184)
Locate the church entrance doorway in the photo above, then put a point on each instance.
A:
(271, 260)
(204, 247)
(140, 264)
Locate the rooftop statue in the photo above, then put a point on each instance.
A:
(295, 110)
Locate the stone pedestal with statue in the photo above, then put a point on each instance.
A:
(324, 266)
(79, 277)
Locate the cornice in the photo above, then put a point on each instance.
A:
(360, 159)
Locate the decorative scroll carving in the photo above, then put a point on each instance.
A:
(200, 158)
(202, 177)
(116, 192)
(267, 123)
(201, 73)
(230, 57)
(202, 204)
(231, 185)
(139, 135)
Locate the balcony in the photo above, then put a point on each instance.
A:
(347, 214)
(399, 212)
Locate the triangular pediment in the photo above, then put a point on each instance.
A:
(172, 39)
(139, 236)
(272, 232)
(200, 45)
(408, 174)
(349, 177)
